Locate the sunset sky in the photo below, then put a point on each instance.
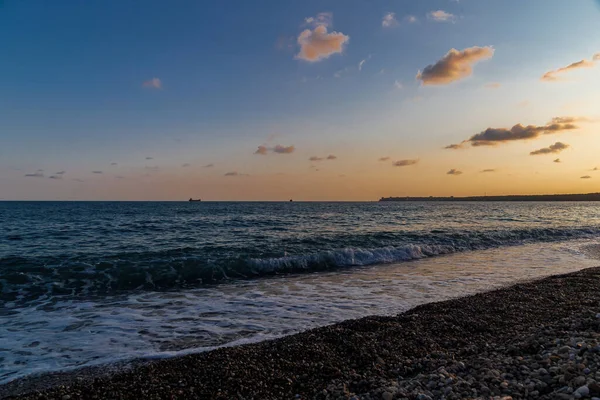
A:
(310, 100)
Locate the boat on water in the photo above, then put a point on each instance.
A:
(194, 199)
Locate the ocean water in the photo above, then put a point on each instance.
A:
(85, 283)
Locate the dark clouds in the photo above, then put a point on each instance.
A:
(96, 172)
(488, 170)
(331, 157)
(384, 159)
(557, 161)
(495, 136)
(262, 150)
(454, 172)
(405, 163)
(208, 166)
(37, 174)
(455, 65)
(235, 173)
(554, 148)
(278, 149)
(586, 177)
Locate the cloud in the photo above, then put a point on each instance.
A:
(208, 166)
(594, 169)
(596, 57)
(37, 174)
(493, 85)
(586, 177)
(555, 148)
(455, 146)
(398, 85)
(278, 149)
(55, 177)
(557, 161)
(441, 16)
(235, 173)
(551, 76)
(185, 165)
(149, 158)
(384, 159)
(488, 170)
(455, 65)
(322, 18)
(60, 173)
(153, 83)
(315, 158)
(113, 163)
(262, 150)
(454, 172)
(389, 20)
(405, 163)
(494, 136)
(361, 63)
(411, 19)
(331, 157)
(317, 44)
(96, 172)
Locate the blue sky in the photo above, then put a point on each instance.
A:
(72, 93)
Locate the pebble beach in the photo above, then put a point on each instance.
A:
(532, 340)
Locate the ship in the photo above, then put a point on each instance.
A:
(194, 199)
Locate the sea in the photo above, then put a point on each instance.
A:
(90, 283)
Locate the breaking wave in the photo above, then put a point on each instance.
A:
(24, 278)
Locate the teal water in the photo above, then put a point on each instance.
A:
(92, 282)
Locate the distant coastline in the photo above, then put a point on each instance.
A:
(542, 197)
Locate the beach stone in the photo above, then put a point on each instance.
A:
(583, 391)
(387, 396)
(579, 381)
(594, 387)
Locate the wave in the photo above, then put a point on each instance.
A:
(23, 278)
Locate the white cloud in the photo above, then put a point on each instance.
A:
(398, 85)
(389, 20)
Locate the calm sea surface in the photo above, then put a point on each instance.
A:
(83, 283)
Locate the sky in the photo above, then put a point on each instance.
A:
(303, 100)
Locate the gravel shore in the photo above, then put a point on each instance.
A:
(534, 340)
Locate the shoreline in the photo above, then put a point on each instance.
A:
(476, 346)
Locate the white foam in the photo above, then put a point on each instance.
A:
(54, 335)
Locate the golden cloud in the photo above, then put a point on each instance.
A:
(455, 65)
(317, 44)
(551, 76)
